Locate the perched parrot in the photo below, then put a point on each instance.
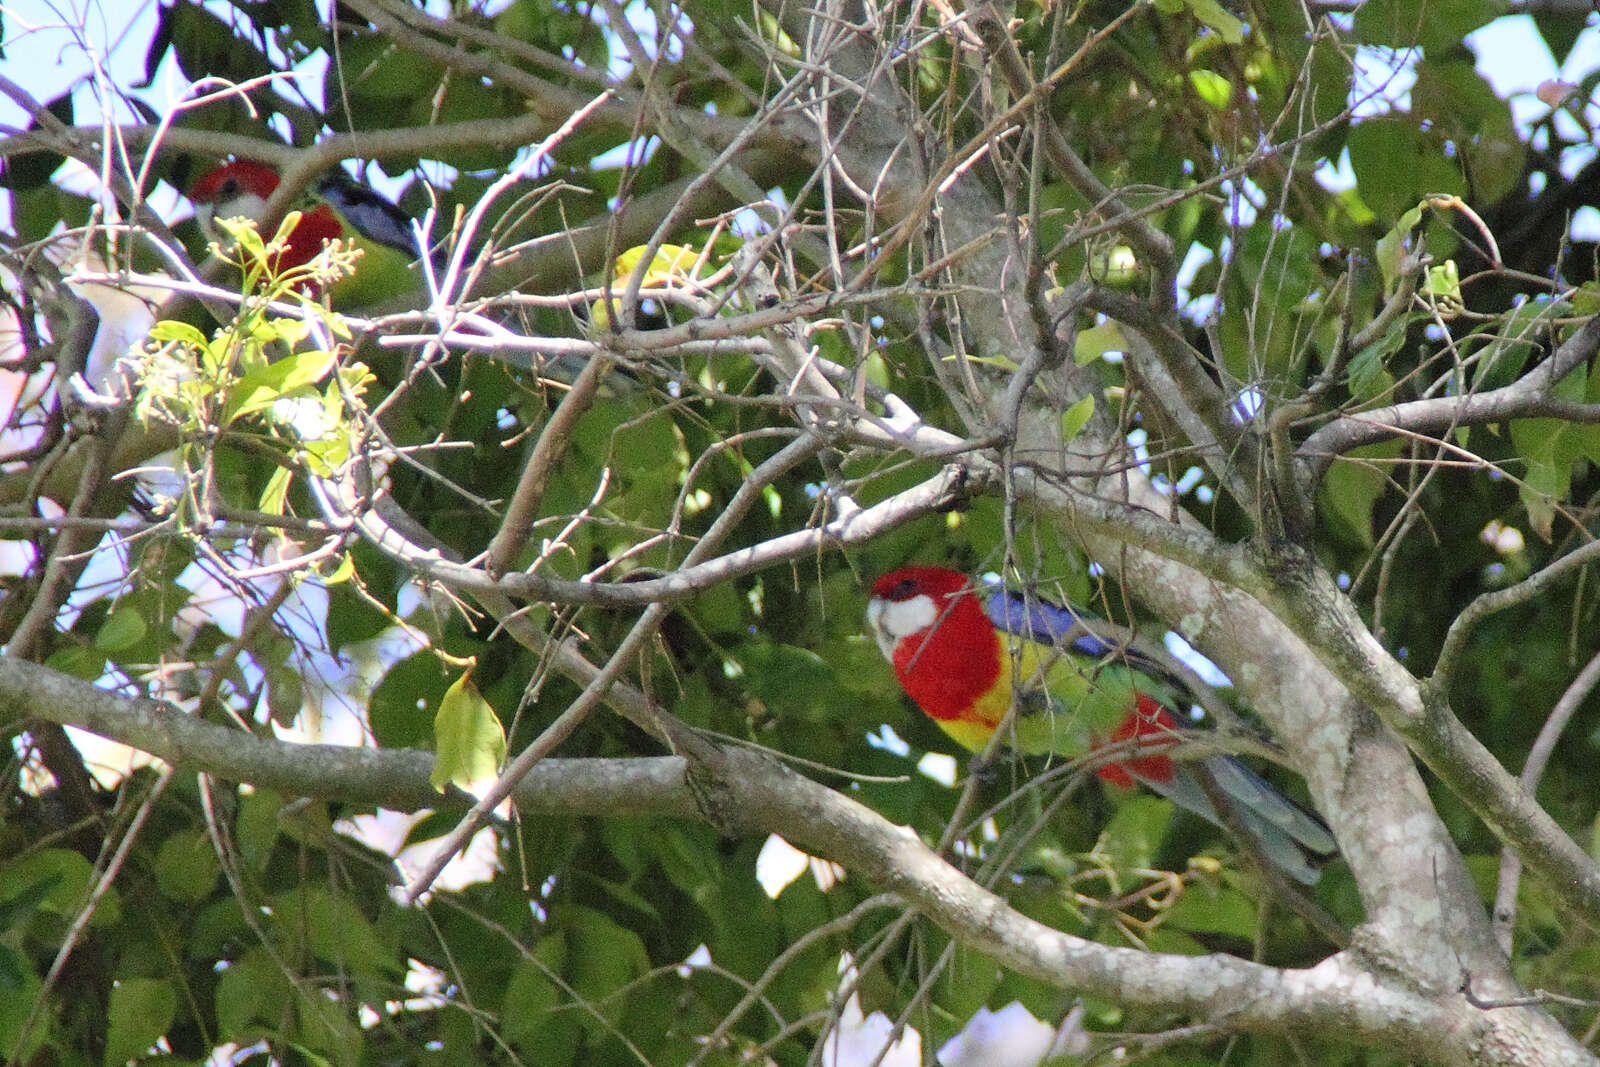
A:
(339, 208)
(964, 655)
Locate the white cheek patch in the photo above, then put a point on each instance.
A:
(245, 205)
(892, 620)
(905, 617)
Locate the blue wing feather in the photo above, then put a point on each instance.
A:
(1047, 623)
(376, 217)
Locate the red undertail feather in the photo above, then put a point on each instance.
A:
(1152, 725)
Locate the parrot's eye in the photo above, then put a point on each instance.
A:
(227, 189)
(904, 589)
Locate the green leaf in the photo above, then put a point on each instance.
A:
(170, 330)
(1561, 31)
(1551, 450)
(1351, 489)
(1276, 267)
(652, 451)
(16, 909)
(1366, 375)
(79, 661)
(38, 213)
(32, 170)
(1076, 417)
(469, 740)
(65, 872)
(1397, 163)
(602, 959)
(1548, 448)
(344, 569)
(285, 692)
(253, 989)
(327, 1035)
(1433, 26)
(1174, 942)
(1515, 339)
(1442, 285)
(1114, 266)
(671, 264)
(333, 928)
(373, 66)
(1391, 249)
(354, 614)
(529, 1016)
(1451, 96)
(1134, 833)
(122, 630)
(1214, 15)
(186, 866)
(140, 1012)
(247, 239)
(791, 681)
(205, 46)
(14, 975)
(532, 990)
(275, 494)
(1095, 342)
(1213, 88)
(1005, 363)
(255, 828)
(398, 710)
(261, 387)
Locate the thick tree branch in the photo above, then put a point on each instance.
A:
(1339, 999)
(390, 779)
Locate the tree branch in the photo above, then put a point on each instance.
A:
(1339, 998)
(1524, 398)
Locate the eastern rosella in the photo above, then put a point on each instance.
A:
(339, 208)
(964, 655)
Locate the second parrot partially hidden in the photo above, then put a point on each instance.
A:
(339, 208)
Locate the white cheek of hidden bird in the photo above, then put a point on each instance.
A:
(243, 206)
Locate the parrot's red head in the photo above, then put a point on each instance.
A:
(237, 189)
(932, 627)
(910, 600)
(241, 189)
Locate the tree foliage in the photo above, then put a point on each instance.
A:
(1198, 316)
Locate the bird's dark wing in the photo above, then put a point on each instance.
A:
(378, 218)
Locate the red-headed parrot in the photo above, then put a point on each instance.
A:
(339, 208)
(965, 654)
